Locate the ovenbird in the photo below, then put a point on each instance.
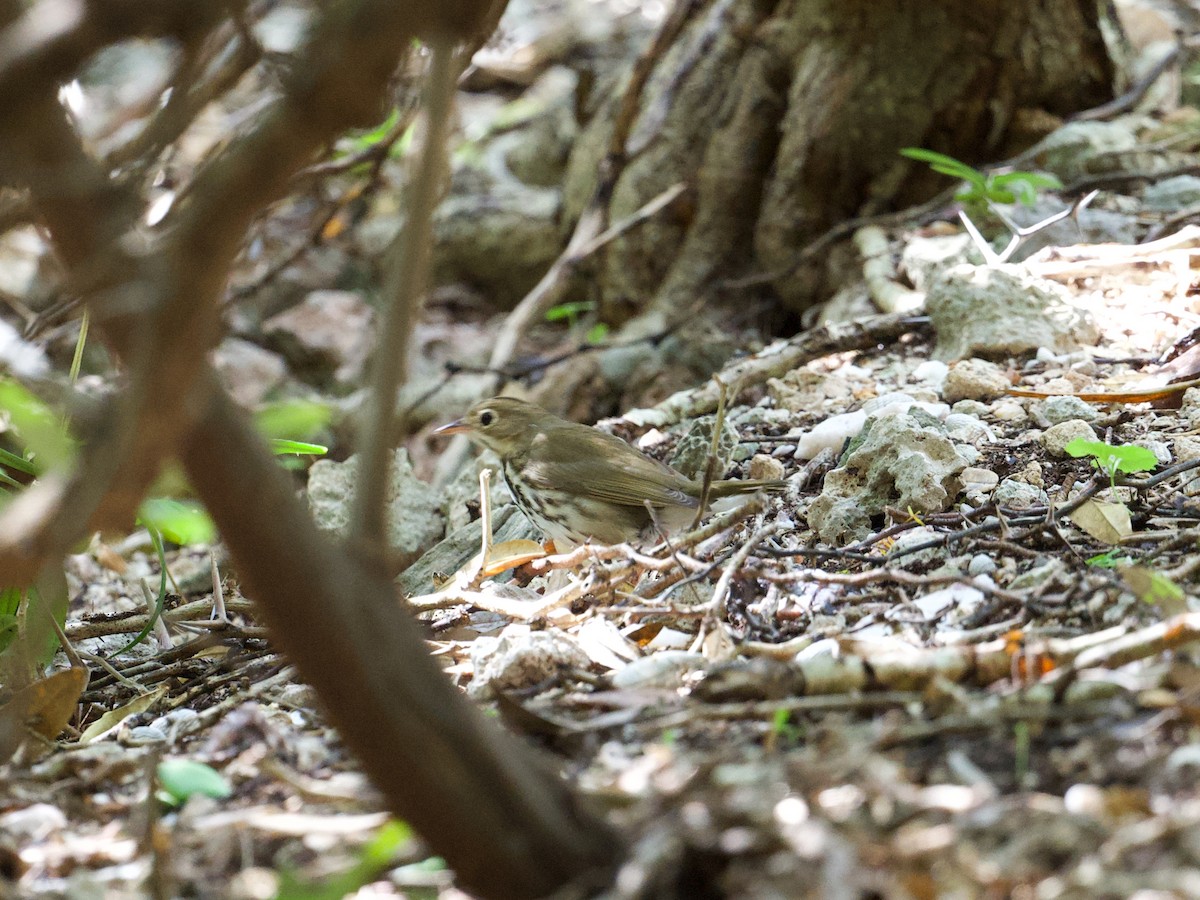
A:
(576, 483)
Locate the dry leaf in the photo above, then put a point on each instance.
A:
(511, 555)
(115, 717)
(1106, 522)
(44, 707)
(109, 558)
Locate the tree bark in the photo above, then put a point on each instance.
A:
(787, 117)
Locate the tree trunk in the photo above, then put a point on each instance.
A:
(787, 117)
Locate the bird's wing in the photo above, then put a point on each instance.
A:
(572, 461)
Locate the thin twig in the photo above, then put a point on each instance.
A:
(405, 287)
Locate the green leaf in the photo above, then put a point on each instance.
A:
(293, 419)
(368, 139)
(8, 630)
(597, 333)
(381, 848)
(181, 778)
(184, 522)
(1111, 459)
(1109, 559)
(10, 602)
(372, 859)
(42, 430)
(161, 599)
(1036, 180)
(997, 195)
(946, 165)
(1023, 186)
(569, 310)
(17, 463)
(1153, 587)
(280, 446)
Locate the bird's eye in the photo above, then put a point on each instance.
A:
(486, 418)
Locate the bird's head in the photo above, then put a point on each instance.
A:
(504, 425)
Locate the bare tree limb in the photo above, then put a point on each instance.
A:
(507, 826)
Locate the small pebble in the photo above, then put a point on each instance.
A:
(981, 564)
(932, 372)
(766, 467)
(784, 451)
(974, 478)
(1018, 495)
(1056, 438)
(971, 408)
(967, 429)
(1009, 411)
(975, 379)
(1062, 409)
(1187, 448)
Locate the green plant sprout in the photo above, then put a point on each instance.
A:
(991, 191)
(160, 601)
(373, 859)
(1111, 558)
(783, 730)
(990, 187)
(573, 312)
(1158, 589)
(1110, 459)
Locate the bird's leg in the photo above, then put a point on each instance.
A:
(485, 516)
(710, 465)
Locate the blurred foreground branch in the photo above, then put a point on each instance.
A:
(476, 794)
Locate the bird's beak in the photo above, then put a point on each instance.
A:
(457, 427)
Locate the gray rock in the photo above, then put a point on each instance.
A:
(1014, 494)
(414, 518)
(326, 337)
(500, 236)
(765, 467)
(519, 658)
(924, 257)
(974, 379)
(1088, 226)
(967, 429)
(915, 538)
(981, 564)
(839, 520)
(1010, 411)
(691, 453)
(977, 483)
(1057, 410)
(895, 460)
(248, 372)
(1069, 151)
(1173, 194)
(1003, 311)
(458, 548)
(1056, 438)
(971, 408)
(1038, 575)
(1186, 449)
